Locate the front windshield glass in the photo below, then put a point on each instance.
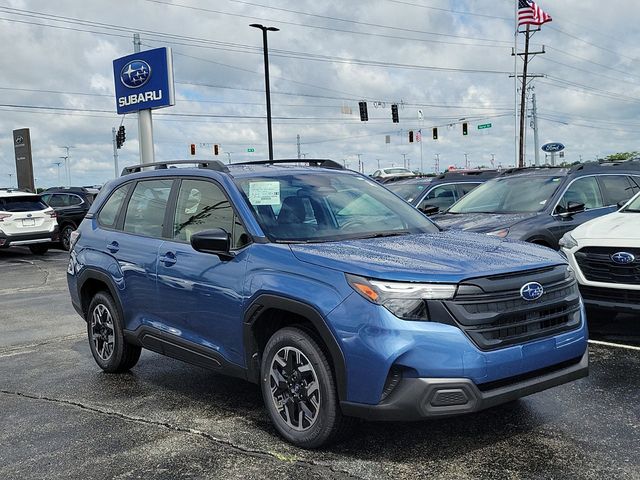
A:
(408, 191)
(321, 207)
(633, 206)
(519, 194)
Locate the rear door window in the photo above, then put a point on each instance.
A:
(442, 196)
(147, 206)
(616, 188)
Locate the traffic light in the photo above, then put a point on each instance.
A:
(410, 136)
(120, 137)
(193, 149)
(465, 128)
(394, 113)
(216, 149)
(435, 133)
(364, 115)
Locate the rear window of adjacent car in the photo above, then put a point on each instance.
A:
(28, 203)
(109, 213)
(617, 188)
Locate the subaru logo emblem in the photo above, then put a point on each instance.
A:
(623, 258)
(135, 74)
(29, 215)
(531, 291)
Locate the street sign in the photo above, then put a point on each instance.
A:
(483, 126)
(144, 80)
(251, 150)
(552, 147)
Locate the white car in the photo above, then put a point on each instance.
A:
(605, 254)
(394, 172)
(26, 220)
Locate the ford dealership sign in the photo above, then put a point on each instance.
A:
(552, 147)
(144, 80)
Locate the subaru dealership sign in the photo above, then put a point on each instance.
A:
(144, 80)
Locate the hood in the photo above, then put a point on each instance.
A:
(435, 257)
(623, 226)
(480, 222)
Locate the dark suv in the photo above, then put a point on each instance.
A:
(71, 205)
(339, 298)
(540, 205)
(433, 194)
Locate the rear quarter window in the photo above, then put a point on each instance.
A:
(109, 212)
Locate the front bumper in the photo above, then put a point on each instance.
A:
(421, 398)
(28, 239)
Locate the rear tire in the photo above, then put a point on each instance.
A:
(39, 249)
(65, 236)
(299, 390)
(106, 338)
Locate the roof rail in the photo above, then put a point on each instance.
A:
(468, 174)
(510, 171)
(216, 165)
(324, 163)
(631, 164)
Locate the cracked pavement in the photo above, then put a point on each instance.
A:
(62, 417)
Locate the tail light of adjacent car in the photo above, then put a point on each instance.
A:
(3, 216)
(52, 213)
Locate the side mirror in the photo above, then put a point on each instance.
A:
(429, 209)
(573, 208)
(215, 241)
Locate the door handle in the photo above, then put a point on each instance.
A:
(168, 259)
(113, 247)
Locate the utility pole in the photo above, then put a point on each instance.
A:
(378, 160)
(298, 142)
(466, 161)
(11, 180)
(536, 142)
(229, 156)
(145, 122)
(421, 118)
(67, 166)
(437, 163)
(404, 160)
(115, 150)
(526, 57)
(360, 166)
(58, 165)
(493, 160)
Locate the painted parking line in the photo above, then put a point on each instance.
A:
(617, 345)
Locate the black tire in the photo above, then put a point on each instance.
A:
(106, 340)
(39, 248)
(65, 236)
(326, 424)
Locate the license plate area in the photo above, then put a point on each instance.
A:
(28, 222)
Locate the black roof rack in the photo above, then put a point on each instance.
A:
(216, 165)
(324, 163)
(631, 164)
(467, 174)
(542, 168)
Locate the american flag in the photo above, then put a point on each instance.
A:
(531, 14)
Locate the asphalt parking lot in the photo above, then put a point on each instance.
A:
(62, 417)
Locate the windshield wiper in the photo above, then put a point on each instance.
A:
(385, 234)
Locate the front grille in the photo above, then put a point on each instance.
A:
(493, 314)
(596, 265)
(610, 295)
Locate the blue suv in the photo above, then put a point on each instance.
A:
(332, 293)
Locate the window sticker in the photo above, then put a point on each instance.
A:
(264, 193)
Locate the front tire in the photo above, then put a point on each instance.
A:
(65, 236)
(39, 248)
(106, 339)
(299, 390)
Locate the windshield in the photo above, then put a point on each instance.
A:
(521, 194)
(633, 206)
(321, 207)
(408, 191)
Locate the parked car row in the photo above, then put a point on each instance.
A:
(336, 296)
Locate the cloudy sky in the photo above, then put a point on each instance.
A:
(451, 59)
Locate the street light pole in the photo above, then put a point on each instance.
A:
(266, 80)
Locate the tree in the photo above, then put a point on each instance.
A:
(622, 156)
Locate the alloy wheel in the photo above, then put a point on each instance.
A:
(102, 332)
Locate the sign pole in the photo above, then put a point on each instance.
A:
(145, 123)
(115, 150)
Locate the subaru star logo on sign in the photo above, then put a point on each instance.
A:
(531, 291)
(623, 258)
(144, 80)
(135, 74)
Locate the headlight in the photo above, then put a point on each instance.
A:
(567, 241)
(404, 299)
(503, 232)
